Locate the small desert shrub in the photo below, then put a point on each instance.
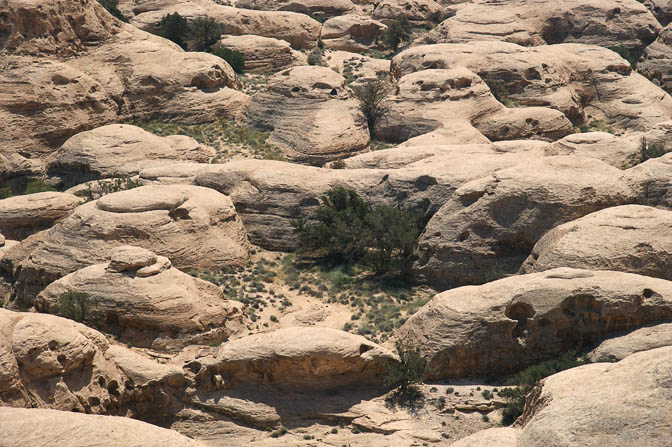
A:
(627, 54)
(397, 32)
(278, 432)
(500, 91)
(404, 374)
(315, 57)
(372, 97)
(529, 377)
(203, 33)
(112, 7)
(80, 307)
(234, 58)
(174, 27)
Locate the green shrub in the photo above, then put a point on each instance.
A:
(500, 91)
(279, 432)
(80, 307)
(174, 27)
(349, 230)
(626, 53)
(371, 97)
(203, 33)
(397, 32)
(112, 7)
(405, 373)
(315, 57)
(234, 58)
(529, 377)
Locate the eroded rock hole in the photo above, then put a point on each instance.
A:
(519, 312)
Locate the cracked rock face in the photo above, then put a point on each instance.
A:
(21, 216)
(148, 303)
(625, 238)
(194, 227)
(506, 325)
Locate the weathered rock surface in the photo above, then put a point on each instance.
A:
(661, 9)
(656, 63)
(620, 152)
(307, 357)
(311, 115)
(299, 30)
(148, 303)
(193, 227)
(355, 33)
(21, 216)
(432, 99)
(315, 8)
(584, 82)
(606, 398)
(357, 68)
(492, 437)
(22, 427)
(642, 339)
(652, 182)
(414, 10)
(269, 194)
(629, 238)
(62, 74)
(607, 23)
(490, 225)
(262, 54)
(505, 325)
(121, 150)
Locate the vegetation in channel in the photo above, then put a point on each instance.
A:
(80, 307)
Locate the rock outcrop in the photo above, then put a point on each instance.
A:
(587, 83)
(629, 238)
(22, 427)
(21, 216)
(432, 99)
(605, 397)
(642, 339)
(652, 182)
(355, 33)
(656, 63)
(506, 325)
(311, 115)
(417, 11)
(300, 30)
(63, 73)
(148, 303)
(607, 23)
(314, 8)
(120, 150)
(193, 227)
(490, 225)
(263, 54)
(307, 357)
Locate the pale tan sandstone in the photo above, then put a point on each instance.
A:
(21, 216)
(148, 303)
(490, 225)
(120, 150)
(23, 427)
(629, 238)
(652, 182)
(505, 325)
(661, 9)
(311, 115)
(584, 82)
(414, 10)
(656, 63)
(357, 68)
(299, 30)
(314, 8)
(642, 339)
(193, 227)
(432, 99)
(605, 398)
(355, 33)
(263, 54)
(492, 437)
(607, 23)
(83, 69)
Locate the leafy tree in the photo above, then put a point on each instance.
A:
(112, 7)
(203, 33)
(398, 31)
(235, 58)
(371, 97)
(80, 307)
(174, 27)
(394, 233)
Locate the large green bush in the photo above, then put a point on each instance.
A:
(348, 229)
(371, 97)
(398, 31)
(235, 58)
(174, 27)
(403, 375)
(80, 307)
(112, 7)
